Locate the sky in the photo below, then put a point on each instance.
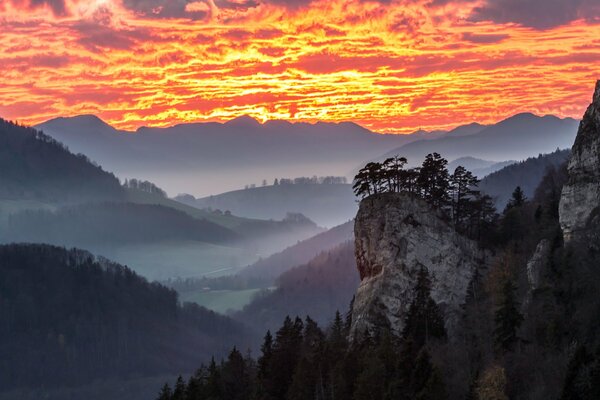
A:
(392, 66)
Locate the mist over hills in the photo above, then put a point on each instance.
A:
(326, 204)
(49, 195)
(515, 138)
(208, 158)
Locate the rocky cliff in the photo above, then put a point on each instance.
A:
(581, 195)
(396, 234)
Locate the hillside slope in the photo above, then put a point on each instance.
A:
(319, 288)
(36, 167)
(88, 319)
(527, 174)
(326, 204)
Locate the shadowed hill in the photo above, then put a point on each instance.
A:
(36, 167)
(318, 288)
(70, 319)
(114, 223)
(271, 267)
(527, 174)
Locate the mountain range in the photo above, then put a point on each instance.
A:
(208, 158)
(516, 138)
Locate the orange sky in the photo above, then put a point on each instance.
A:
(389, 65)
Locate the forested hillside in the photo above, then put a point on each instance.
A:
(526, 174)
(70, 319)
(318, 288)
(36, 167)
(268, 269)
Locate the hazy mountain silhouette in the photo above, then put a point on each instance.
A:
(207, 158)
(477, 166)
(326, 204)
(515, 138)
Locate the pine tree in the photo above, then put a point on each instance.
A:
(214, 388)
(462, 183)
(507, 318)
(165, 393)
(518, 199)
(235, 376)
(264, 385)
(424, 319)
(286, 354)
(179, 390)
(434, 180)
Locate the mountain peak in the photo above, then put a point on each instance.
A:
(86, 121)
(243, 122)
(596, 98)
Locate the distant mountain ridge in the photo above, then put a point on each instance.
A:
(207, 158)
(516, 138)
(326, 204)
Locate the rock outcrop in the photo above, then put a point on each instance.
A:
(536, 264)
(396, 234)
(581, 195)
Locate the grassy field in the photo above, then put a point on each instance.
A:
(164, 260)
(221, 301)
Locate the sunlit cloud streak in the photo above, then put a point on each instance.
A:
(391, 66)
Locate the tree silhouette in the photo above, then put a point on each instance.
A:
(434, 180)
(507, 318)
(424, 318)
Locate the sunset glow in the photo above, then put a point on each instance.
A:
(391, 66)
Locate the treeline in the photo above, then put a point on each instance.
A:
(305, 180)
(113, 223)
(35, 166)
(527, 174)
(314, 180)
(304, 361)
(454, 194)
(69, 319)
(144, 186)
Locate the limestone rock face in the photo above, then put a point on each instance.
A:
(396, 234)
(581, 195)
(536, 264)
